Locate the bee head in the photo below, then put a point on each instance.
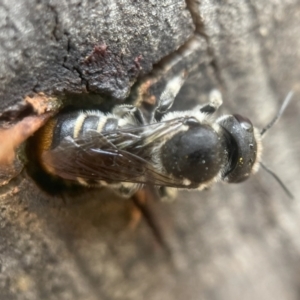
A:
(244, 148)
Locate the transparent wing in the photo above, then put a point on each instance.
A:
(116, 156)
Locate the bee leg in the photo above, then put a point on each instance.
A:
(170, 92)
(124, 189)
(167, 194)
(144, 200)
(123, 110)
(135, 217)
(168, 95)
(215, 101)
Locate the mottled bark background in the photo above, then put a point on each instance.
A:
(230, 242)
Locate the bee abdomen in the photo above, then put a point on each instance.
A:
(76, 124)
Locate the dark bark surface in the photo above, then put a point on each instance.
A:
(230, 242)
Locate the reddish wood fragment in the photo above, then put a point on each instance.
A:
(40, 103)
(12, 137)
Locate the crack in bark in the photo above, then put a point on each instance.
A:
(258, 38)
(55, 34)
(81, 76)
(193, 7)
(56, 22)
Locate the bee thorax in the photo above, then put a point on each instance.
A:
(196, 155)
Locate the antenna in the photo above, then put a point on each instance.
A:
(277, 179)
(265, 129)
(279, 114)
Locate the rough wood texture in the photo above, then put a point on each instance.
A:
(231, 242)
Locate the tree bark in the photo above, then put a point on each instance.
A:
(230, 242)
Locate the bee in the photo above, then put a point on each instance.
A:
(124, 151)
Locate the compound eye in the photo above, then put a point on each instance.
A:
(245, 123)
